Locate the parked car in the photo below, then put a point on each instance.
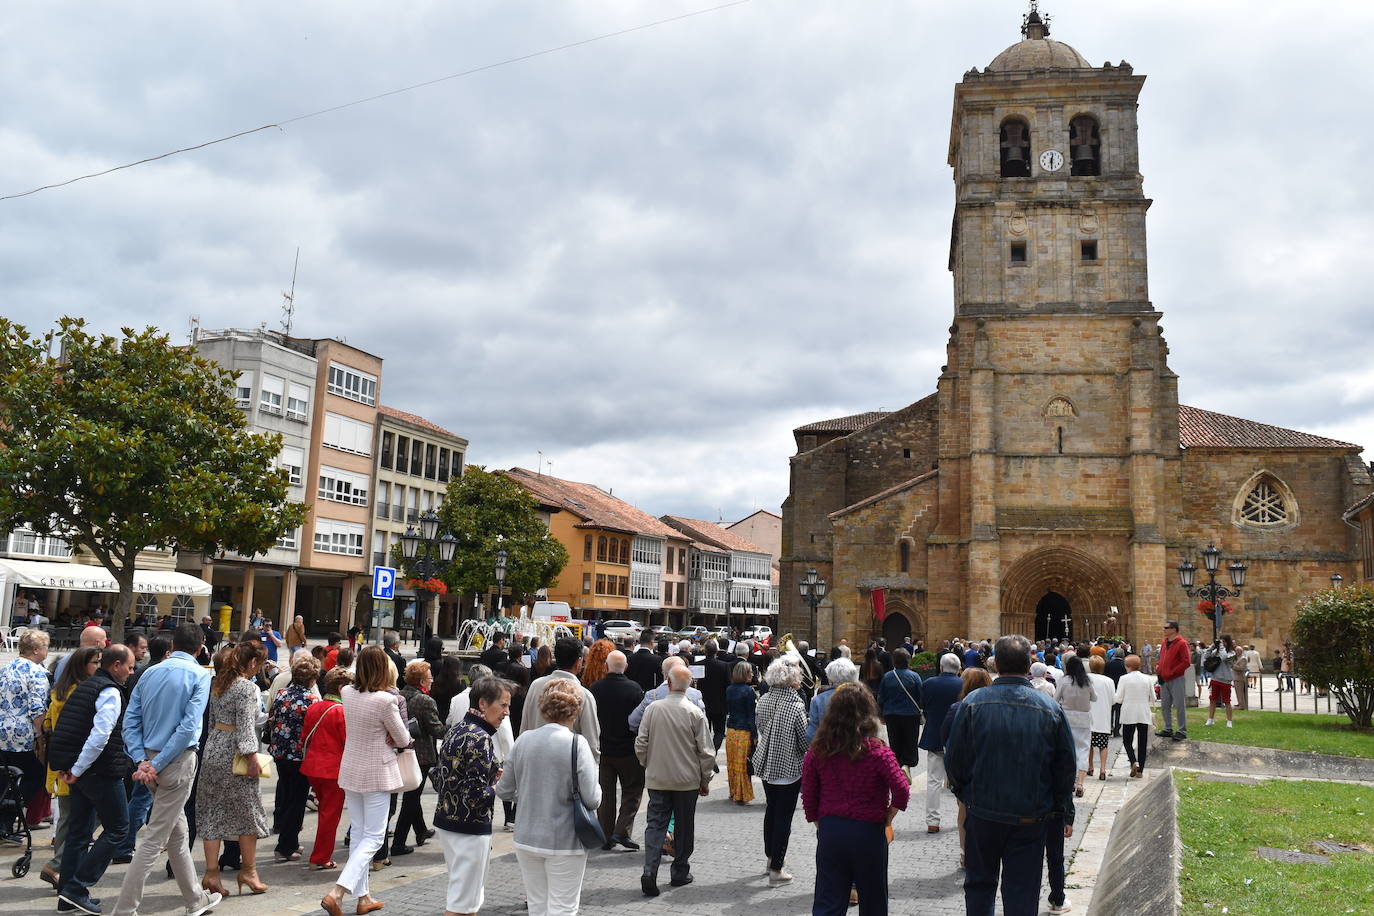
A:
(660, 630)
(617, 629)
(695, 634)
(760, 634)
(722, 635)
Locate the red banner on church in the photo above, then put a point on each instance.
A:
(879, 596)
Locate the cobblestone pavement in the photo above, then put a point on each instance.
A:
(728, 865)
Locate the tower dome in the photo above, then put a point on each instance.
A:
(1036, 50)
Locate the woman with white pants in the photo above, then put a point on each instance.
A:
(368, 772)
(538, 775)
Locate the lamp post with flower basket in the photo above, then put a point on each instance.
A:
(428, 557)
(1213, 604)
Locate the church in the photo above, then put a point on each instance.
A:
(1052, 484)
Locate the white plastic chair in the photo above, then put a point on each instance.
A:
(12, 637)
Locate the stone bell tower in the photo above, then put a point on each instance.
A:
(1058, 412)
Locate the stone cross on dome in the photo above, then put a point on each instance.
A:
(1033, 25)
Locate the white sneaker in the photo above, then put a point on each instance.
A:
(1062, 908)
(779, 877)
(1230, 724)
(1210, 722)
(212, 900)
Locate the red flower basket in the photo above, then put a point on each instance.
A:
(435, 586)
(1206, 609)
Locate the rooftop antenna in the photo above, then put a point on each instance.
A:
(195, 328)
(540, 466)
(288, 303)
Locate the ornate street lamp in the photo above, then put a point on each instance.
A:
(1212, 591)
(428, 556)
(812, 591)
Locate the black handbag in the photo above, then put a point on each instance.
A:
(585, 824)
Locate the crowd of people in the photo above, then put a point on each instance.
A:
(154, 744)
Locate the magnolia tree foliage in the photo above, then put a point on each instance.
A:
(121, 444)
(488, 512)
(1334, 632)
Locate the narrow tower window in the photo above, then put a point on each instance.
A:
(1061, 440)
(1018, 252)
(1016, 149)
(1085, 146)
(904, 556)
(1089, 251)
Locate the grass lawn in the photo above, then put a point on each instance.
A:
(1222, 824)
(1288, 731)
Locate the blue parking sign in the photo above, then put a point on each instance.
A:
(383, 582)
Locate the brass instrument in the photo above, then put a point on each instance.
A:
(788, 646)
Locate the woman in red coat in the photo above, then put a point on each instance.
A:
(324, 740)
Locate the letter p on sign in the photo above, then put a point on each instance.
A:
(383, 583)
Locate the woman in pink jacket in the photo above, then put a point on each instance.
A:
(368, 773)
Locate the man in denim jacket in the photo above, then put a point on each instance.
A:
(1010, 760)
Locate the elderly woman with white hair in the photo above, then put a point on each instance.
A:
(781, 747)
(1039, 680)
(839, 672)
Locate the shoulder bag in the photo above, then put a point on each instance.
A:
(585, 824)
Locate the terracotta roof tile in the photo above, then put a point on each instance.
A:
(849, 424)
(1199, 428)
(414, 420)
(712, 533)
(594, 505)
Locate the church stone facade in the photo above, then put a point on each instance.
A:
(1052, 481)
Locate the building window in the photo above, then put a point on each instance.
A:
(26, 541)
(388, 443)
(290, 540)
(1015, 148)
(417, 458)
(270, 397)
(145, 605)
(601, 548)
(243, 390)
(1085, 146)
(624, 586)
(343, 486)
(1267, 503)
(1088, 250)
(586, 583)
(904, 556)
(292, 460)
(443, 465)
(1018, 252)
(601, 583)
(297, 402)
(431, 461)
(682, 561)
(339, 537)
(347, 434)
(352, 384)
(587, 548)
(183, 610)
(383, 499)
(402, 453)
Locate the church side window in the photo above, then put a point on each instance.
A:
(904, 556)
(1085, 146)
(1016, 148)
(1267, 504)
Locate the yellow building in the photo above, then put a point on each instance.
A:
(615, 551)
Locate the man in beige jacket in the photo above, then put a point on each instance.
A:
(674, 744)
(295, 634)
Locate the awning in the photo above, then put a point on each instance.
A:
(81, 578)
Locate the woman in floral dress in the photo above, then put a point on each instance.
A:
(229, 807)
(287, 718)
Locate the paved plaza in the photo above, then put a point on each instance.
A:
(728, 865)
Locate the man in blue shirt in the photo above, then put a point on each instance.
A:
(937, 694)
(161, 729)
(1010, 760)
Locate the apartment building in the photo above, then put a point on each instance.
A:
(616, 551)
(730, 579)
(415, 461)
(321, 395)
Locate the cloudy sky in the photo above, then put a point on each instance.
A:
(651, 257)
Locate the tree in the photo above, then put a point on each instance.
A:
(122, 444)
(1334, 632)
(487, 512)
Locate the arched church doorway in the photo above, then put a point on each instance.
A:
(896, 629)
(1053, 618)
(1088, 590)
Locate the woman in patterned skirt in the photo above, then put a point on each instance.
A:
(229, 807)
(740, 728)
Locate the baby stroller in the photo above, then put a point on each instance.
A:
(14, 827)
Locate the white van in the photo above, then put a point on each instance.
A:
(559, 611)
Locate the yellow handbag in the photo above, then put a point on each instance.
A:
(264, 765)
